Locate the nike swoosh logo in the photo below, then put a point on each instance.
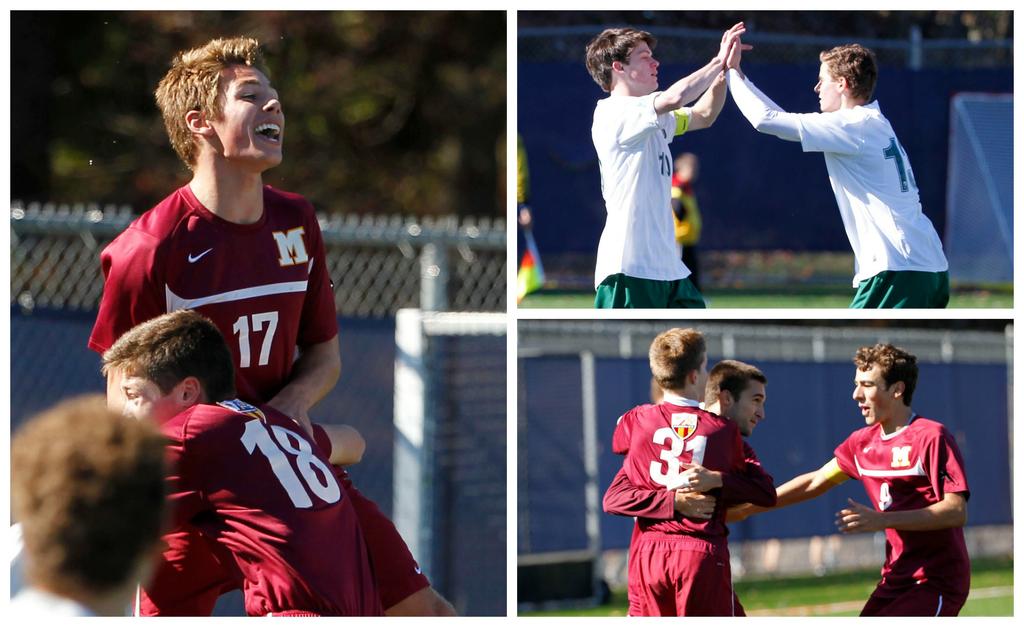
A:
(192, 259)
(418, 571)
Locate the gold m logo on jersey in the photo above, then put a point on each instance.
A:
(684, 424)
(901, 457)
(290, 246)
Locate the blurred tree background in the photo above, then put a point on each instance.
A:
(386, 112)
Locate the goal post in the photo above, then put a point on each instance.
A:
(450, 452)
(979, 193)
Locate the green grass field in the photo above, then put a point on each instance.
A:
(828, 297)
(837, 595)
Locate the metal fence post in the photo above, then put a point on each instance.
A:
(916, 60)
(434, 278)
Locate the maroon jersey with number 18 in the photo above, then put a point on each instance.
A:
(911, 469)
(250, 480)
(265, 285)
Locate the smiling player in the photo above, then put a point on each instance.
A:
(913, 473)
(250, 258)
(638, 264)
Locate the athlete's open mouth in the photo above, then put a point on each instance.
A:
(270, 131)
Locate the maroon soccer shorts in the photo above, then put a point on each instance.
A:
(677, 575)
(397, 573)
(917, 600)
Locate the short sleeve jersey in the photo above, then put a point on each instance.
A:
(632, 143)
(265, 285)
(250, 480)
(875, 189)
(911, 469)
(663, 439)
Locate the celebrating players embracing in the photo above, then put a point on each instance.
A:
(250, 258)
(680, 566)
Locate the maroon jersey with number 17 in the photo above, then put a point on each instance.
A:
(250, 480)
(265, 285)
(911, 469)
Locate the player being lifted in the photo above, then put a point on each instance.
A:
(736, 391)
(913, 473)
(898, 258)
(251, 259)
(638, 264)
(248, 478)
(679, 566)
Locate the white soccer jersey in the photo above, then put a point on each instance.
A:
(636, 173)
(870, 175)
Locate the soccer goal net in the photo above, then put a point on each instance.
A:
(979, 193)
(449, 464)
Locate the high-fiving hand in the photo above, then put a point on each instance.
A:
(730, 38)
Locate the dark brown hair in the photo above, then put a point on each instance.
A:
(613, 44)
(733, 376)
(173, 346)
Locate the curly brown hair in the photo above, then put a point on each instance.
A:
(193, 84)
(856, 64)
(613, 44)
(674, 354)
(895, 364)
(87, 486)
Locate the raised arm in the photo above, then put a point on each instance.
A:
(705, 111)
(762, 113)
(686, 90)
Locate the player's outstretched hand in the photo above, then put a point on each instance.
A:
(729, 36)
(858, 519)
(693, 505)
(732, 59)
(697, 478)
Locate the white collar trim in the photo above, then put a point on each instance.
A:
(681, 401)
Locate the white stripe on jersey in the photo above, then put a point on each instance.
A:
(916, 471)
(175, 302)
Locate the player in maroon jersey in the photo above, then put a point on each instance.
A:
(247, 478)
(251, 258)
(913, 473)
(736, 391)
(681, 565)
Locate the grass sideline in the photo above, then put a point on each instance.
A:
(797, 297)
(835, 595)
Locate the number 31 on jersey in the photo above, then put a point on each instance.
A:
(667, 470)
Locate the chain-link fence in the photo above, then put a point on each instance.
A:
(378, 264)
(696, 46)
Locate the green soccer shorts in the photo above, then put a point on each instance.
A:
(619, 291)
(902, 289)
